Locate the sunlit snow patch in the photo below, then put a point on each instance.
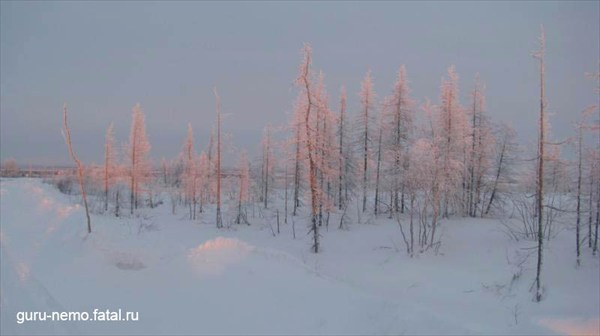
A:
(214, 256)
(572, 326)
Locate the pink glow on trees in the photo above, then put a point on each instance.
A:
(304, 82)
(397, 110)
(204, 174)
(137, 151)
(267, 164)
(367, 99)
(482, 145)
(110, 157)
(80, 168)
(453, 130)
(219, 219)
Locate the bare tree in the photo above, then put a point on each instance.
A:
(367, 98)
(267, 164)
(397, 110)
(218, 164)
(539, 55)
(109, 162)
(138, 150)
(341, 134)
(244, 188)
(80, 179)
(304, 81)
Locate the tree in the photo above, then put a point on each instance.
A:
(482, 143)
(378, 167)
(304, 82)
(267, 164)
(10, 168)
(297, 126)
(110, 157)
(138, 149)
(218, 163)
(504, 156)
(244, 188)
(367, 99)
(539, 55)
(80, 168)
(453, 129)
(342, 158)
(397, 110)
(204, 174)
(190, 172)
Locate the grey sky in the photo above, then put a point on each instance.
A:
(103, 57)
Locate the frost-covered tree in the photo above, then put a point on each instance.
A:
(219, 219)
(367, 99)
(342, 153)
(79, 166)
(267, 164)
(327, 151)
(504, 157)
(397, 110)
(539, 55)
(479, 157)
(298, 141)
(190, 173)
(10, 168)
(204, 174)
(137, 152)
(303, 81)
(453, 130)
(110, 157)
(244, 189)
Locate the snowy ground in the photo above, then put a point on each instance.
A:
(187, 277)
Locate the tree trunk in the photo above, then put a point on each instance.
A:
(540, 177)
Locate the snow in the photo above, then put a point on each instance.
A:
(187, 277)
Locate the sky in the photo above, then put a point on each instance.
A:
(101, 58)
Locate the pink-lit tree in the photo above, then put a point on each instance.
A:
(137, 152)
(79, 166)
(219, 219)
(303, 81)
(267, 164)
(110, 158)
(204, 174)
(451, 138)
(397, 110)
(367, 99)
(482, 144)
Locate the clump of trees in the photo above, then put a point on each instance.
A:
(417, 162)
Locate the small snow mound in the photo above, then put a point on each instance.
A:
(214, 256)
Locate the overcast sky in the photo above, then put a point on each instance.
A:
(103, 57)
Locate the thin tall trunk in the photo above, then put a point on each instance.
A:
(341, 150)
(297, 174)
(286, 195)
(219, 218)
(79, 168)
(378, 170)
(591, 210)
(577, 229)
(540, 174)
